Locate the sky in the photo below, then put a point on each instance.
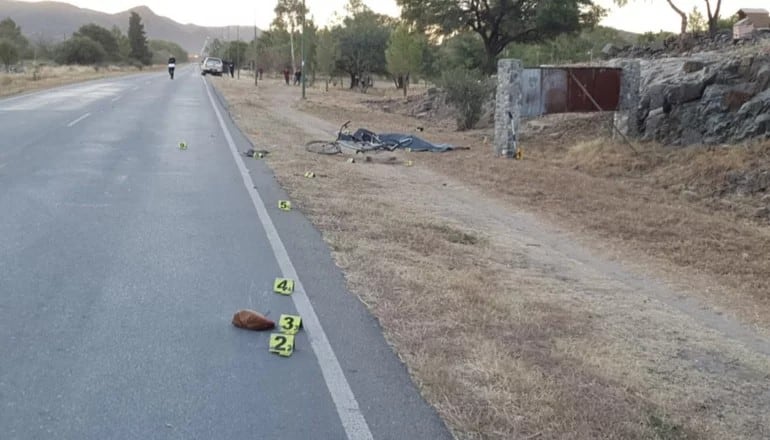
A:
(637, 16)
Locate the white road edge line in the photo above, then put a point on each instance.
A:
(352, 418)
(117, 98)
(78, 119)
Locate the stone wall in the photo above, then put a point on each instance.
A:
(706, 99)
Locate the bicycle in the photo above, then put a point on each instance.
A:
(362, 141)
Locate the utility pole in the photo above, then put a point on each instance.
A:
(238, 50)
(302, 69)
(256, 69)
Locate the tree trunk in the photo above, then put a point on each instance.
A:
(406, 85)
(681, 13)
(353, 80)
(713, 18)
(293, 58)
(490, 60)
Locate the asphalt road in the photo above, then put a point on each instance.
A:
(123, 259)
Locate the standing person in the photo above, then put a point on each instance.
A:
(231, 65)
(171, 67)
(297, 77)
(286, 75)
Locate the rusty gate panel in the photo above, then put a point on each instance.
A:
(601, 83)
(531, 93)
(554, 89)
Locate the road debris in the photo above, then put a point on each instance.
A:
(252, 320)
(256, 154)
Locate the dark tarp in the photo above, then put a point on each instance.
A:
(412, 142)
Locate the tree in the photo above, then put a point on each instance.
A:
(696, 21)
(361, 42)
(236, 51)
(138, 40)
(501, 22)
(464, 50)
(162, 50)
(102, 36)
(217, 48)
(727, 23)
(311, 50)
(713, 17)
(326, 54)
(80, 50)
(9, 54)
(288, 16)
(124, 46)
(273, 50)
(12, 33)
(404, 55)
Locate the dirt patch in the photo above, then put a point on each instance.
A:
(509, 326)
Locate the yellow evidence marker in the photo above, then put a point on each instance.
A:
(290, 324)
(284, 205)
(309, 174)
(183, 145)
(281, 344)
(284, 286)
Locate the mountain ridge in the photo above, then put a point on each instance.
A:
(55, 21)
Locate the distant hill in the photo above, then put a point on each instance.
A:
(55, 21)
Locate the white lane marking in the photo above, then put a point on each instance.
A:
(116, 99)
(352, 419)
(78, 119)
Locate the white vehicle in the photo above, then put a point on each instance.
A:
(212, 66)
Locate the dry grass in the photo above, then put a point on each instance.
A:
(47, 77)
(505, 333)
(677, 210)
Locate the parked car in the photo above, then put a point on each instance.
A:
(212, 66)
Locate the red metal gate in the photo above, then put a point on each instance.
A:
(559, 91)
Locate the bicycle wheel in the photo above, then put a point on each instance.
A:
(322, 147)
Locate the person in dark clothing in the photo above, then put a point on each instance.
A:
(286, 75)
(297, 77)
(171, 67)
(231, 65)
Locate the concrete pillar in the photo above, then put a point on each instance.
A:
(508, 99)
(630, 81)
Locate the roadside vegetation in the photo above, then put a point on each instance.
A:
(92, 51)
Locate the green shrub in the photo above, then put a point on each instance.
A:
(466, 90)
(80, 50)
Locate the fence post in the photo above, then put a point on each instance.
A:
(507, 100)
